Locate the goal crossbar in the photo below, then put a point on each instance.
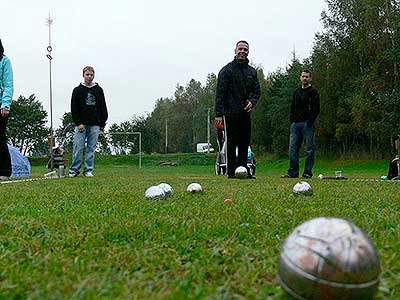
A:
(131, 133)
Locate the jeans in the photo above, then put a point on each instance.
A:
(89, 135)
(298, 133)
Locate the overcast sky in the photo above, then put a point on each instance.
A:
(142, 49)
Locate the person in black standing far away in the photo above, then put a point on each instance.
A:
(238, 91)
(303, 119)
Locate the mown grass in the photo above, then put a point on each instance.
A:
(98, 238)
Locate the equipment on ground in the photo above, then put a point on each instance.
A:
(56, 158)
(20, 165)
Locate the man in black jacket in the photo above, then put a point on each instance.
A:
(238, 91)
(89, 113)
(303, 114)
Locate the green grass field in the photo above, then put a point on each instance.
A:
(98, 238)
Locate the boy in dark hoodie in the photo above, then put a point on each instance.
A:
(89, 113)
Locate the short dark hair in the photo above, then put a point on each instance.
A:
(1, 50)
(242, 41)
(87, 68)
(306, 71)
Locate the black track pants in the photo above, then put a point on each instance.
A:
(237, 134)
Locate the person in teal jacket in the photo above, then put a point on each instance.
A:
(6, 94)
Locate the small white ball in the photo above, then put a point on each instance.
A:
(194, 188)
(241, 172)
(168, 190)
(154, 193)
(302, 188)
(320, 176)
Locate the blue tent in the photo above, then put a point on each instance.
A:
(19, 163)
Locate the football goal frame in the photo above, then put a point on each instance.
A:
(138, 133)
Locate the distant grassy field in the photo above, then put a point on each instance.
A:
(98, 238)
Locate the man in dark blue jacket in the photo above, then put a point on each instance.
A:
(303, 114)
(238, 91)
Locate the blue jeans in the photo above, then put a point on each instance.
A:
(90, 135)
(298, 133)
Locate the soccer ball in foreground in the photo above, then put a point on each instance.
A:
(302, 188)
(241, 172)
(168, 190)
(194, 188)
(329, 258)
(154, 193)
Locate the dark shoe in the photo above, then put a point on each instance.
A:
(289, 176)
(307, 176)
(251, 177)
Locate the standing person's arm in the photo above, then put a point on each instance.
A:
(315, 108)
(292, 107)
(75, 110)
(255, 95)
(220, 95)
(103, 111)
(8, 87)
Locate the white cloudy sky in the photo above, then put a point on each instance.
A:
(142, 49)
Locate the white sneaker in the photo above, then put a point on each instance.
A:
(72, 174)
(88, 174)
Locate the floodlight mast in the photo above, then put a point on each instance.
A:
(49, 22)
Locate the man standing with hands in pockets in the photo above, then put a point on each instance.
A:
(238, 91)
(89, 113)
(303, 121)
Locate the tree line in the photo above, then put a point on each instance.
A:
(355, 65)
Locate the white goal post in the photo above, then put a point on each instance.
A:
(131, 133)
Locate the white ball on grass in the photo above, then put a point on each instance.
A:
(194, 188)
(168, 190)
(241, 172)
(154, 193)
(302, 188)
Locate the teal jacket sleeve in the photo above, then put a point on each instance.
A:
(6, 85)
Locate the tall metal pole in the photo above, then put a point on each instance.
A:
(208, 130)
(49, 22)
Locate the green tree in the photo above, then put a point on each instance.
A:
(356, 59)
(65, 133)
(261, 123)
(283, 83)
(27, 126)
